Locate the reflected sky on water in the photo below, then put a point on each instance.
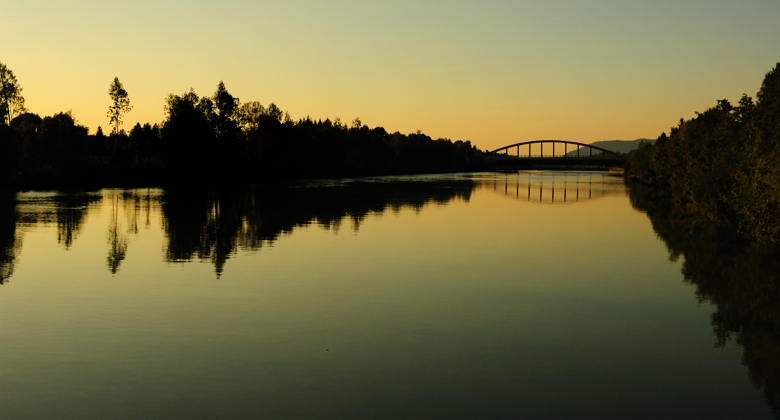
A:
(456, 296)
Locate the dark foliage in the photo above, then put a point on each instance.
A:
(723, 165)
(215, 139)
(712, 190)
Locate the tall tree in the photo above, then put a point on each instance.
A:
(11, 99)
(188, 134)
(120, 105)
(226, 106)
(229, 145)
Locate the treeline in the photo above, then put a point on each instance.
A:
(216, 139)
(723, 165)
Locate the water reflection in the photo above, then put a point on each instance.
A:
(742, 283)
(215, 224)
(9, 241)
(212, 224)
(67, 211)
(558, 187)
(70, 213)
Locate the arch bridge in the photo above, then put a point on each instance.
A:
(601, 158)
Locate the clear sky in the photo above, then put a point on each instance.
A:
(493, 72)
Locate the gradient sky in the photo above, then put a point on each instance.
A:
(493, 72)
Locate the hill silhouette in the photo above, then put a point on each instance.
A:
(620, 146)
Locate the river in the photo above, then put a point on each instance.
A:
(489, 295)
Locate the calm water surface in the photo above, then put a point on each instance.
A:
(536, 295)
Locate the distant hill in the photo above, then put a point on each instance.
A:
(620, 146)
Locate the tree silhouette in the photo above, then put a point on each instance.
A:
(229, 137)
(213, 139)
(722, 165)
(188, 135)
(226, 106)
(11, 99)
(120, 105)
(249, 114)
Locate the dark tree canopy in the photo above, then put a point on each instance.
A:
(724, 164)
(216, 139)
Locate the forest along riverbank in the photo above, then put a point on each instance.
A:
(723, 166)
(711, 189)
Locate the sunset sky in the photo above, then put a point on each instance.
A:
(493, 72)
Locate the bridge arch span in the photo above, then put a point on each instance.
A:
(565, 142)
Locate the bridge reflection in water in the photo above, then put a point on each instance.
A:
(546, 187)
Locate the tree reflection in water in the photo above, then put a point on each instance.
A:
(742, 282)
(67, 211)
(213, 223)
(10, 242)
(70, 213)
(117, 239)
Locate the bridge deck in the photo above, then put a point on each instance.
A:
(542, 162)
